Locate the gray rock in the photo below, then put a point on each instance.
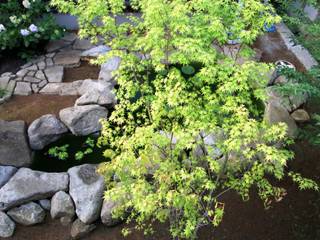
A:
(27, 214)
(49, 62)
(86, 189)
(14, 149)
(209, 146)
(42, 83)
(9, 91)
(62, 206)
(96, 51)
(6, 172)
(7, 226)
(80, 229)
(45, 130)
(300, 115)
(83, 120)
(40, 75)
(106, 72)
(31, 73)
(50, 55)
(69, 37)
(23, 72)
(63, 89)
(32, 68)
(28, 185)
(45, 204)
(35, 87)
(56, 45)
(103, 98)
(94, 85)
(82, 44)
(106, 213)
(69, 58)
(275, 113)
(31, 79)
(66, 221)
(23, 89)
(7, 74)
(54, 74)
(41, 65)
(4, 81)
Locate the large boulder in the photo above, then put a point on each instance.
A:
(276, 113)
(14, 149)
(86, 189)
(45, 130)
(6, 172)
(80, 229)
(96, 51)
(7, 226)
(28, 185)
(62, 206)
(83, 120)
(28, 214)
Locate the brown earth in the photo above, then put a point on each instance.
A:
(84, 71)
(29, 108)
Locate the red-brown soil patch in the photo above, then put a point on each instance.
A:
(84, 71)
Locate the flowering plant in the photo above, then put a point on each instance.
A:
(24, 25)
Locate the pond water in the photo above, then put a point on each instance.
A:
(43, 161)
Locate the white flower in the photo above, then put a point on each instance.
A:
(13, 19)
(24, 32)
(33, 28)
(2, 28)
(26, 3)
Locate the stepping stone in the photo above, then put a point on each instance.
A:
(55, 45)
(14, 147)
(23, 89)
(40, 75)
(70, 37)
(23, 72)
(69, 58)
(31, 79)
(54, 74)
(28, 185)
(96, 51)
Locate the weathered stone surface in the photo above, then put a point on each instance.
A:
(45, 130)
(42, 83)
(45, 204)
(28, 185)
(69, 37)
(86, 189)
(66, 221)
(21, 73)
(49, 62)
(62, 206)
(35, 87)
(54, 74)
(32, 68)
(63, 89)
(56, 45)
(83, 120)
(31, 73)
(23, 89)
(92, 85)
(300, 115)
(69, 58)
(6, 172)
(103, 98)
(40, 75)
(80, 229)
(14, 149)
(27, 214)
(106, 72)
(7, 226)
(275, 113)
(106, 213)
(41, 65)
(82, 44)
(7, 74)
(96, 51)
(4, 81)
(9, 91)
(31, 79)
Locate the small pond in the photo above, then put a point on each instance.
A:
(43, 161)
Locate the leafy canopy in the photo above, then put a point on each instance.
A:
(178, 142)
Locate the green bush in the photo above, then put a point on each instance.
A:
(188, 126)
(24, 25)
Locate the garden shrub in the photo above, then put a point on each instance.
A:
(188, 126)
(25, 24)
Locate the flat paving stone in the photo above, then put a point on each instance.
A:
(54, 74)
(69, 58)
(23, 89)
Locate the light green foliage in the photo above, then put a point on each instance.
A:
(163, 167)
(59, 152)
(15, 16)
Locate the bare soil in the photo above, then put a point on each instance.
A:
(274, 49)
(29, 108)
(84, 71)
